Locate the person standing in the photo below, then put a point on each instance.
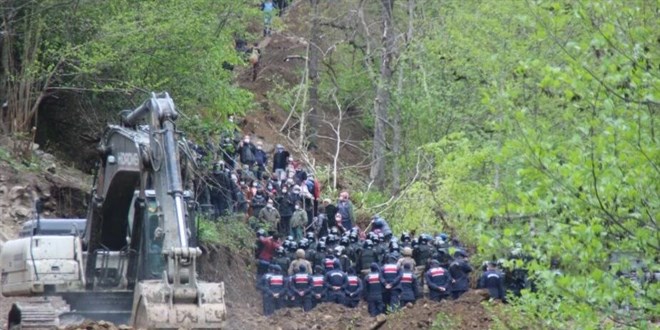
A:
(459, 270)
(270, 215)
(300, 287)
(353, 289)
(493, 280)
(280, 158)
(268, 247)
(260, 159)
(268, 8)
(374, 286)
(298, 222)
(438, 280)
(345, 208)
(274, 292)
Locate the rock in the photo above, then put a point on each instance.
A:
(21, 211)
(35, 146)
(16, 192)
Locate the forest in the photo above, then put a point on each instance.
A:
(526, 125)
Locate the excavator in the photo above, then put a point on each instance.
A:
(134, 263)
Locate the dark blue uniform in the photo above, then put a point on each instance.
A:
(391, 277)
(409, 286)
(494, 282)
(336, 281)
(353, 291)
(459, 270)
(373, 291)
(274, 291)
(318, 286)
(438, 280)
(300, 287)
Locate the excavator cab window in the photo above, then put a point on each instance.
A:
(153, 240)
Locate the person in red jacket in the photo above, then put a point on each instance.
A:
(268, 247)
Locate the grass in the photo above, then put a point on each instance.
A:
(231, 232)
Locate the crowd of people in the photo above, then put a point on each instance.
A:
(346, 267)
(310, 250)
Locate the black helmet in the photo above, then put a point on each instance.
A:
(381, 237)
(293, 246)
(280, 251)
(286, 244)
(310, 236)
(332, 238)
(303, 243)
(344, 241)
(405, 237)
(372, 236)
(320, 246)
(334, 231)
(353, 236)
(339, 250)
(394, 246)
(290, 238)
(425, 238)
(368, 244)
(261, 232)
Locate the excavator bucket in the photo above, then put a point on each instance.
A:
(159, 306)
(179, 300)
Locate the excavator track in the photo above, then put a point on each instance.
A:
(37, 313)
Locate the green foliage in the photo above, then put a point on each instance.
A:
(133, 47)
(540, 129)
(232, 233)
(444, 321)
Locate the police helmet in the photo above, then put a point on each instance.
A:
(368, 244)
(293, 246)
(290, 238)
(344, 241)
(353, 236)
(261, 232)
(310, 236)
(394, 246)
(279, 251)
(334, 231)
(303, 243)
(320, 246)
(381, 237)
(339, 250)
(406, 238)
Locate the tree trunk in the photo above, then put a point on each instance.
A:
(313, 59)
(382, 102)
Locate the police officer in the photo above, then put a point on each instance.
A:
(353, 289)
(274, 291)
(319, 255)
(281, 259)
(336, 281)
(493, 280)
(391, 276)
(300, 287)
(459, 270)
(367, 257)
(344, 262)
(438, 281)
(409, 285)
(319, 288)
(374, 287)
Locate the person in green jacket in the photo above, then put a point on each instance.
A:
(298, 222)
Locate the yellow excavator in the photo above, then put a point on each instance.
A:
(134, 262)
